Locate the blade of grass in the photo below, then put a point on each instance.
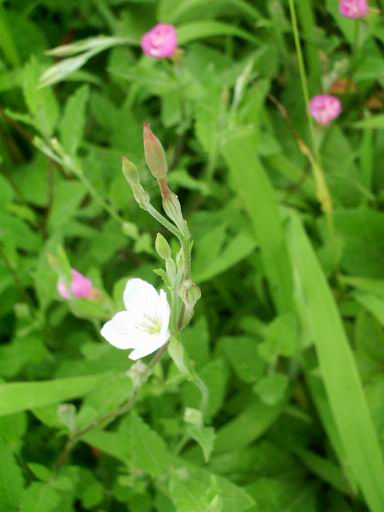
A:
(348, 404)
(307, 22)
(321, 403)
(256, 192)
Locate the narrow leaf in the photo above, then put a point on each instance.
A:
(338, 368)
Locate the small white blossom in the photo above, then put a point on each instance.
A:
(143, 327)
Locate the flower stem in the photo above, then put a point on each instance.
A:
(119, 411)
(323, 193)
(355, 49)
(184, 242)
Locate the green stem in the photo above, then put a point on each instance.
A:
(355, 48)
(7, 43)
(303, 74)
(307, 21)
(184, 242)
(162, 220)
(323, 194)
(122, 409)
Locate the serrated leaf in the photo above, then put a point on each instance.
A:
(39, 497)
(148, 450)
(73, 120)
(41, 103)
(205, 437)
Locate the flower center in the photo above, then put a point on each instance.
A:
(151, 325)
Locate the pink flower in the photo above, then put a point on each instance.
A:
(160, 41)
(81, 286)
(325, 108)
(353, 8)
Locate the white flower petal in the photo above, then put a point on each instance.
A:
(123, 331)
(153, 343)
(140, 295)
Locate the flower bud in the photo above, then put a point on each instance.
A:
(193, 417)
(160, 42)
(353, 8)
(130, 172)
(325, 108)
(154, 153)
(79, 287)
(162, 247)
(190, 293)
(132, 176)
(172, 208)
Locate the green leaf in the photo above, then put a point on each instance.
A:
(205, 437)
(362, 234)
(324, 468)
(189, 491)
(41, 103)
(66, 201)
(202, 29)
(338, 368)
(255, 190)
(20, 396)
(11, 480)
(240, 246)
(73, 120)
(196, 490)
(147, 449)
(370, 122)
(272, 388)
(39, 497)
(373, 303)
(248, 426)
(242, 354)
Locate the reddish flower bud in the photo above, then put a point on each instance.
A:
(160, 41)
(353, 8)
(154, 153)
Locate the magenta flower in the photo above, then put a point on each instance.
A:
(80, 286)
(325, 108)
(353, 8)
(160, 41)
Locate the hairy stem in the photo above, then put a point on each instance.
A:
(112, 415)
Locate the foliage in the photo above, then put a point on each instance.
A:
(286, 219)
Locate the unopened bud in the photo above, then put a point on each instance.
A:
(154, 153)
(193, 417)
(172, 208)
(190, 293)
(132, 176)
(162, 247)
(67, 415)
(130, 172)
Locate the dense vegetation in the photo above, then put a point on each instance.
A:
(285, 215)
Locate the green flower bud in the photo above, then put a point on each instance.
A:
(162, 247)
(132, 176)
(193, 417)
(172, 208)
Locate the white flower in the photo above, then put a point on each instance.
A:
(144, 325)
